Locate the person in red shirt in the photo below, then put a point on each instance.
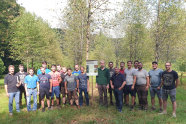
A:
(122, 71)
(56, 80)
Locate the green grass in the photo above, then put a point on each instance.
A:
(96, 114)
(1, 82)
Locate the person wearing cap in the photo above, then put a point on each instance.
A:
(44, 65)
(155, 81)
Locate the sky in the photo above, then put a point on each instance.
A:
(50, 10)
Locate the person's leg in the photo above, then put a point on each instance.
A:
(52, 96)
(20, 95)
(70, 97)
(139, 95)
(86, 97)
(100, 94)
(164, 97)
(144, 94)
(105, 95)
(173, 100)
(17, 95)
(10, 105)
(29, 100)
(35, 99)
(159, 94)
(57, 93)
(110, 93)
(42, 103)
(152, 94)
(63, 94)
(80, 97)
(116, 98)
(76, 98)
(120, 100)
(127, 94)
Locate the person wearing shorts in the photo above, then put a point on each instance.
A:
(129, 74)
(169, 82)
(71, 88)
(155, 81)
(56, 80)
(45, 88)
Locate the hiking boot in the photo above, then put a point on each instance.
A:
(43, 109)
(174, 115)
(163, 113)
(161, 110)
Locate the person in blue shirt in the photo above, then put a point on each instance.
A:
(31, 85)
(44, 65)
(155, 80)
(83, 81)
(76, 72)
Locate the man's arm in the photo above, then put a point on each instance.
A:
(122, 85)
(111, 84)
(134, 82)
(77, 84)
(50, 85)
(26, 90)
(6, 90)
(38, 88)
(161, 84)
(87, 85)
(65, 86)
(177, 82)
(147, 85)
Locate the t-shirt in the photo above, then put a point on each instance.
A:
(141, 77)
(76, 73)
(21, 77)
(117, 80)
(44, 81)
(71, 82)
(82, 80)
(46, 71)
(155, 77)
(129, 76)
(122, 71)
(31, 81)
(11, 81)
(169, 79)
(63, 79)
(55, 78)
(111, 71)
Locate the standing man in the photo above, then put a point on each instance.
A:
(141, 79)
(136, 64)
(44, 65)
(169, 82)
(63, 75)
(70, 87)
(122, 71)
(76, 72)
(111, 71)
(56, 80)
(45, 88)
(155, 80)
(31, 86)
(21, 76)
(129, 74)
(117, 83)
(102, 83)
(83, 81)
(59, 69)
(12, 90)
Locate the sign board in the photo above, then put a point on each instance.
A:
(92, 67)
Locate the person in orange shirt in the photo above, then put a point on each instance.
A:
(56, 80)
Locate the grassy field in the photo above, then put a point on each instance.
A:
(96, 114)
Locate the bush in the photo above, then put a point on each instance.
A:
(2, 67)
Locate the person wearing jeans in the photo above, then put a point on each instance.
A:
(31, 86)
(83, 81)
(12, 90)
(117, 83)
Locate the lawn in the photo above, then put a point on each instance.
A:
(96, 114)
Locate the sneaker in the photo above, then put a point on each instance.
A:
(174, 115)
(49, 108)
(153, 108)
(43, 109)
(131, 108)
(163, 113)
(161, 110)
(120, 110)
(111, 103)
(52, 107)
(10, 114)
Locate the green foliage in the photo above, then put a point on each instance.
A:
(33, 40)
(2, 67)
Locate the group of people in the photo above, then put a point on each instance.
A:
(120, 81)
